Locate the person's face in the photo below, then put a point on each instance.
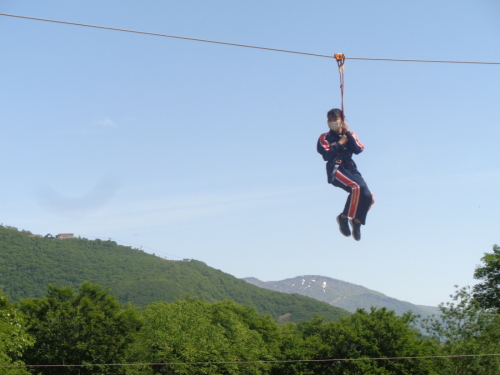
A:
(335, 119)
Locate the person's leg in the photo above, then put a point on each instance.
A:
(366, 199)
(343, 219)
(359, 200)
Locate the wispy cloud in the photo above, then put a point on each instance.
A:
(96, 127)
(105, 122)
(164, 211)
(80, 206)
(109, 207)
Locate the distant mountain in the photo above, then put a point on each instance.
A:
(28, 263)
(341, 294)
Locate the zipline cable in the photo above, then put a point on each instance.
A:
(243, 45)
(162, 35)
(268, 361)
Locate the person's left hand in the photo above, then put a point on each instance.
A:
(345, 128)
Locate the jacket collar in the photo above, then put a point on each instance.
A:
(333, 134)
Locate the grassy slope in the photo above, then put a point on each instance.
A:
(29, 264)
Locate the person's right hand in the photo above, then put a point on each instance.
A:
(345, 128)
(343, 140)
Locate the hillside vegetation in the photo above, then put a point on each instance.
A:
(88, 332)
(28, 264)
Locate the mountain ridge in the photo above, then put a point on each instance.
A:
(342, 294)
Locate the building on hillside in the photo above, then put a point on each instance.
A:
(62, 236)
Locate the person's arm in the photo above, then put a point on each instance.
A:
(329, 150)
(353, 143)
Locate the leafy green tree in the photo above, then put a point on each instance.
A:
(14, 339)
(302, 342)
(264, 326)
(487, 293)
(192, 331)
(378, 333)
(466, 328)
(88, 327)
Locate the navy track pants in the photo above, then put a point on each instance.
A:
(360, 197)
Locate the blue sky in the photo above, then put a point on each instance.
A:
(195, 150)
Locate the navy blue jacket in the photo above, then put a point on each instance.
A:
(333, 153)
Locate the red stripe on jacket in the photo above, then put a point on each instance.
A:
(362, 146)
(324, 142)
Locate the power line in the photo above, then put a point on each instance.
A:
(244, 45)
(268, 361)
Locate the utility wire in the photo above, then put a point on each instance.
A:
(252, 362)
(244, 45)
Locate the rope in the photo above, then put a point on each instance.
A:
(275, 361)
(244, 45)
(340, 63)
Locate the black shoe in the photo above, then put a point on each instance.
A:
(344, 226)
(356, 229)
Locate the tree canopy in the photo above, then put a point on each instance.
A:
(378, 333)
(192, 330)
(88, 327)
(14, 339)
(487, 292)
(465, 328)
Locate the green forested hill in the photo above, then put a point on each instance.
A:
(28, 264)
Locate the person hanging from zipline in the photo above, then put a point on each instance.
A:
(337, 147)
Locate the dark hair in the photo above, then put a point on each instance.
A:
(335, 113)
